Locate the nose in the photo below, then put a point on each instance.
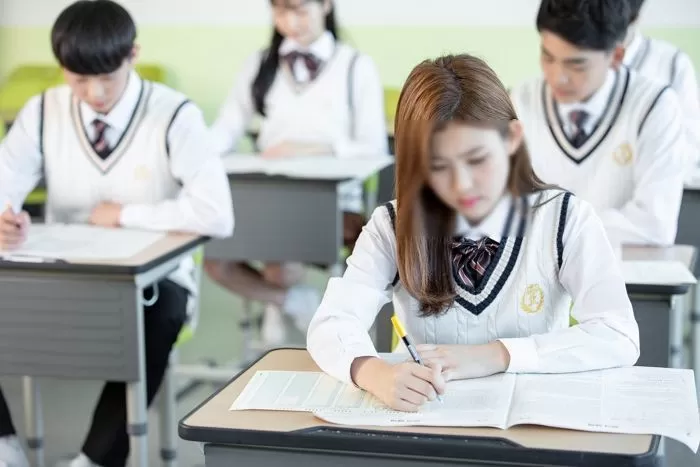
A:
(463, 179)
(560, 76)
(96, 91)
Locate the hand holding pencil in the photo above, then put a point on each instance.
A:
(13, 228)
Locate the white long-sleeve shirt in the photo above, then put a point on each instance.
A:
(185, 189)
(662, 61)
(632, 166)
(524, 303)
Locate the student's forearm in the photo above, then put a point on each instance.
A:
(179, 215)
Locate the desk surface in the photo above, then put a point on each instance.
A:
(684, 254)
(163, 250)
(212, 422)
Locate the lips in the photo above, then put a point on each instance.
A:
(468, 202)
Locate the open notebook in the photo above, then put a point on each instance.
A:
(634, 400)
(81, 242)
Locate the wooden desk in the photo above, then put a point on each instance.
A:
(84, 320)
(291, 439)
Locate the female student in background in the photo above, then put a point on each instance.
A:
(317, 97)
(482, 259)
(115, 151)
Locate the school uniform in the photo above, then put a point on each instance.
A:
(340, 103)
(666, 63)
(543, 251)
(622, 150)
(151, 155)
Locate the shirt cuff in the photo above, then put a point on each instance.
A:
(523, 355)
(130, 215)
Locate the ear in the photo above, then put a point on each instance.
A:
(135, 51)
(327, 6)
(516, 135)
(617, 55)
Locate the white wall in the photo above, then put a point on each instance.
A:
(351, 12)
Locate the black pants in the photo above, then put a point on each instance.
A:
(107, 443)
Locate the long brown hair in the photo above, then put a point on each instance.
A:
(453, 87)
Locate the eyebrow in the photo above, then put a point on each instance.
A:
(471, 152)
(567, 61)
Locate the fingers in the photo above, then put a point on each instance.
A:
(431, 374)
(421, 388)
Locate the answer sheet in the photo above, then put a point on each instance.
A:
(83, 242)
(307, 167)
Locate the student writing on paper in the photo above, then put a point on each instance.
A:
(608, 134)
(482, 259)
(660, 60)
(116, 151)
(316, 96)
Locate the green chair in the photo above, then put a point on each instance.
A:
(45, 73)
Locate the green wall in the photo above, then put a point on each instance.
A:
(206, 72)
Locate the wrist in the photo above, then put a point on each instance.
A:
(364, 371)
(501, 356)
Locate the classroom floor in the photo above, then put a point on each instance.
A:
(68, 404)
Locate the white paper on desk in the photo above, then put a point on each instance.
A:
(84, 242)
(309, 167)
(635, 400)
(657, 273)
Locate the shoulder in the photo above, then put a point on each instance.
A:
(642, 89)
(169, 101)
(360, 61)
(56, 93)
(529, 89)
(663, 49)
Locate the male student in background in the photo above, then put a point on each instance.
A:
(665, 62)
(609, 135)
(116, 151)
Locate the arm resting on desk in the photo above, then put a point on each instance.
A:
(203, 205)
(651, 216)
(607, 334)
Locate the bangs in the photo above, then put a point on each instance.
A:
(93, 38)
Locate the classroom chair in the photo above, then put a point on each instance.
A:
(165, 399)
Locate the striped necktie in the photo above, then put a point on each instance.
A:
(99, 144)
(471, 259)
(578, 118)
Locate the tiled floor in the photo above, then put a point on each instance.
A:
(68, 404)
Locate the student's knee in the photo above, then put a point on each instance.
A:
(283, 275)
(215, 268)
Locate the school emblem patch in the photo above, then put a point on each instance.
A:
(142, 173)
(532, 300)
(623, 155)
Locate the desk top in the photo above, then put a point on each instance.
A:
(319, 168)
(168, 247)
(212, 422)
(684, 254)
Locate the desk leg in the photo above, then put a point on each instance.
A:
(676, 332)
(136, 418)
(34, 423)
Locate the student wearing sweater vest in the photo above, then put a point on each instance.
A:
(316, 96)
(480, 257)
(661, 60)
(609, 135)
(115, 151)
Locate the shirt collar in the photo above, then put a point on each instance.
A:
(633, 48)
(322, 48)
(595, 106)
(492, 226)
(119, 117)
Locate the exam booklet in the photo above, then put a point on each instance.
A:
(632, 400)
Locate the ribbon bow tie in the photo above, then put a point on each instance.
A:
(471, 259)
(311, 62)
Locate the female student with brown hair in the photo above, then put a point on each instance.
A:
(483, 260)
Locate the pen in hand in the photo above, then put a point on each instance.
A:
(398, 327)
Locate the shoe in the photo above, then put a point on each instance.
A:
(301, 304)
(11, 452)
(273, 330)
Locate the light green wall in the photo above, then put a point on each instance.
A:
(205, 72)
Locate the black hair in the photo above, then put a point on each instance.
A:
(588, 24)
(635, 9)
(93, 37)
(268, 67)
